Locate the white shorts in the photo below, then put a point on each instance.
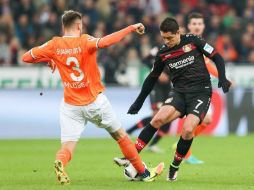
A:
(74, 118)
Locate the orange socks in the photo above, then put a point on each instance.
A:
(130, 152)
(63, 155)
(199, 129)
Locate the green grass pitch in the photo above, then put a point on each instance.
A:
(28, 165)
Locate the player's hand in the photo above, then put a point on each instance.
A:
(135, 107)
(52, 65)
(224, 84)
(139, 28)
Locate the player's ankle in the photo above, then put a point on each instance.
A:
(145, 174)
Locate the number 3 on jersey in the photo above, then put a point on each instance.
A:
(76, 68)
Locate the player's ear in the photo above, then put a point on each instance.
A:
(79, 26)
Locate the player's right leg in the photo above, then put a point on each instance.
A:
(72, 125)
(160, 133)
(130, 153)
(166, 114)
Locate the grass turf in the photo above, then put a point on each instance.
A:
(28, 165)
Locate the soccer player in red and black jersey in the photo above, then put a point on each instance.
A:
(191, 93)
(157, 96)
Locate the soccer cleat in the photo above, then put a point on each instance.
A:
(61, 175)
(172, 174)
(121, 161)
(155, 149)
(193, 160)
(151, 173)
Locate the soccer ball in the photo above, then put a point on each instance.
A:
(130, 173)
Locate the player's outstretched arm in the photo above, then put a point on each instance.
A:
(147, 86)
(28, 58)
(38, 54)
(146, 89)
(115, 37)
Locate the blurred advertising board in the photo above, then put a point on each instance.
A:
(41, 77)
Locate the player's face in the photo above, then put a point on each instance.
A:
(196, 26)
(170, 39)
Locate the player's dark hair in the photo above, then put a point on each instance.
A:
(169, 25)
(195, 15)
(69, 17)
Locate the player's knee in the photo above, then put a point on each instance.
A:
(187, 132)
(157, 122)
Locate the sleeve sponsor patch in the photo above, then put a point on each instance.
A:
(209, 49)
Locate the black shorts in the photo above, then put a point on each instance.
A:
(196, 103)
(158, 95)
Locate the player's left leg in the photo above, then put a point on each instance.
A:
(200, 128)
(63, 156)
(189, 158)
(183, 145)
(196, 109)
(72, 125)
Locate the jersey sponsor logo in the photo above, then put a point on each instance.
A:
(182, 63)
(208, 48)
(76, 84)
(187, 48)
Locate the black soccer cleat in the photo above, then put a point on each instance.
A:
(172, 174)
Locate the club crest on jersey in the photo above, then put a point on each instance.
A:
(187, 48)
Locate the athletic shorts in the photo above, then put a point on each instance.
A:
(74, 118)
(196, 103)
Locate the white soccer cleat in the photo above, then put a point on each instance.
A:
(155, 149)
(121, 161)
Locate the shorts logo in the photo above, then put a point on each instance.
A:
(169, 100)
(187, 48)
(159, 105)
(209, 49)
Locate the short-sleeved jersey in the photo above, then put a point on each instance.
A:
(187, 68)
(75, 58)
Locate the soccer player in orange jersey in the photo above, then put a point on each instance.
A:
(196, 26)
(74, 55)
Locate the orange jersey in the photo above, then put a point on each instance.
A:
(210, 67)
(75, 58)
